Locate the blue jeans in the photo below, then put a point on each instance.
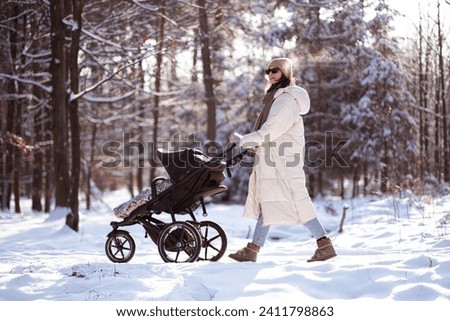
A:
(261, 232)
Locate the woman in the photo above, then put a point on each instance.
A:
(277, 192)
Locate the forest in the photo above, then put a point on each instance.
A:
(90, 89)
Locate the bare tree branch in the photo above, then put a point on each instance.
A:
(101, 82)
(47, 89)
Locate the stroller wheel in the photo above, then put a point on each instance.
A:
(179, 242)
(120, 246)
(214, 241)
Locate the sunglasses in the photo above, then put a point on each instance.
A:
(272, 70)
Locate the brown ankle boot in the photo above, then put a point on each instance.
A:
(324, 251)
(246, 254)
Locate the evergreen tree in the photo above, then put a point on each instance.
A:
(384, 132)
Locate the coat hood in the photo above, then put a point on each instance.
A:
(300, 96)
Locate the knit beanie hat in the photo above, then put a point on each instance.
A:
(285, 65)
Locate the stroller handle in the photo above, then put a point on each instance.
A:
(224, 152)
(227, 153)
(231, 159)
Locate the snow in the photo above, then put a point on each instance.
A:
(391, 249)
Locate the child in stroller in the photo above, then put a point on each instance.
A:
(192, 177)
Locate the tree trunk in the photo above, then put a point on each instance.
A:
(11, 117)
(208, 80)
(385, 170)
(141, 139)
(48, 179)
(437, 136)
(89, 165)
(158, 69)
(422, 124)
(445, 160)
(366, 180)
(311, 185)
(17, 159)
(320, 190)
(37, 186)
(130, 182)
(194, 75)
(40, 119)
(19, 151)
(140, 169)
(356, 177)
(73, 218)
(59, 105)
(426, 106)
(8, 156)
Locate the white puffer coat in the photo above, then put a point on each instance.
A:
(277, 184)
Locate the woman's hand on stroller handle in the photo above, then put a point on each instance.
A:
(235, 138)
(230, 152)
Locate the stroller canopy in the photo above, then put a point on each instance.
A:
(180, 162)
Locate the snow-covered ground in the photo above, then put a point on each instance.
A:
(393, 249)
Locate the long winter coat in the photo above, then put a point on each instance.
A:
(277, 184)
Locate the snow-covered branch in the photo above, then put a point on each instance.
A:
(144, 6)
(74, 96)
(114, 99)
(108, 42)
(47, 89)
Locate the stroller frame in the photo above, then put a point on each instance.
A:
(178, 241)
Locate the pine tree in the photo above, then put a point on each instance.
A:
(384, 139)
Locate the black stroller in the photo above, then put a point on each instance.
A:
(192, 177)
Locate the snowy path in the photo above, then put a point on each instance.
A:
(401, 254)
